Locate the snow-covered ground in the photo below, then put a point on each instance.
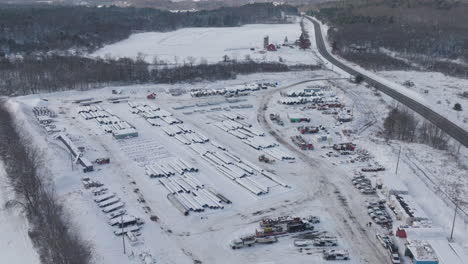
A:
(15, 245)
(197, 236)
(448, 85)
(195, 45)
(442, 91)
(319, 184)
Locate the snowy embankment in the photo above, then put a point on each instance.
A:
(197, 45)
(15, 244)
(429, 101)
(441, 91)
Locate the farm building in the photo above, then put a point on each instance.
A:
(271, 47)
(125, 133)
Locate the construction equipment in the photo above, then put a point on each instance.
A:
(247, 241)
(302, 143)
(102, 161)
(151, 96)
(263, 158)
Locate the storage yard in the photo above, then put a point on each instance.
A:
(266, 168)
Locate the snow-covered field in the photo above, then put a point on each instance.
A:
(198, 235)
(441, 88)
(319, 184)
(196, 45)
(442, 91)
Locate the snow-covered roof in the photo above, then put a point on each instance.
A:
(422, 250)
(124, 131)
(408, 206)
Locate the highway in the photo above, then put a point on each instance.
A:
(441, 122)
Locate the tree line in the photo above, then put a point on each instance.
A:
(50, 231)
(30, 28)
(401, 124)
(49, 73)
(428, 33)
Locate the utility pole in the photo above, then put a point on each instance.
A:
(453, 223)
(123, 234)
(398, 162)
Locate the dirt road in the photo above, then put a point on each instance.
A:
(330, 186)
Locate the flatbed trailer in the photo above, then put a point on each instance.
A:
(113, 207)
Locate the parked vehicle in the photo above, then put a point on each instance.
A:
(266, 240)
(126, 220)
(325, 242)
(113, 207)
(121, 231)
(332, 254)
(247, 241)
(109, 202)
(116, 213)
(102, 161)
(396, 259)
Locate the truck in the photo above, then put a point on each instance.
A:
(246, 241)
(113, 207)
(101, 161)
(344, 146)
(266, 240)
(122, 231)
(308, 129)
(126, 220)
(298, 226)
(109, 202)
(116, 213)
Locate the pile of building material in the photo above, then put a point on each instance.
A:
(169, 167)
(109, 123)
(45, 117)
(279, 154)
(43, 111)
(184, 134)
(260, 143)
(187, 194)
(236, 90)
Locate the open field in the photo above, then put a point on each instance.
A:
(195, 45)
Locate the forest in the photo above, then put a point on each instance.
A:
(33, 28)
(49, 73)
(386, 34)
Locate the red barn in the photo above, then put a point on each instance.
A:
(271, 47)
